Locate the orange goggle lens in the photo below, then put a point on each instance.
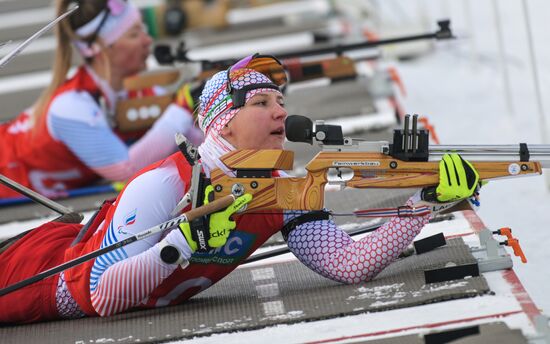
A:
(265, 64)
(269, 67)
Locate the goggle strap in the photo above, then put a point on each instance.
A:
(238, 95)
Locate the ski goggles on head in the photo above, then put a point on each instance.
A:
(228, 90)
(267, 65)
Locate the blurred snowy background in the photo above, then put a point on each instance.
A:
(475, 90)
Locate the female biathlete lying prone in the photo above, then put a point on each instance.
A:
(240, 108)
(69, 138)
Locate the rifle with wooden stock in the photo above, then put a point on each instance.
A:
(141, 113)
(408, 162)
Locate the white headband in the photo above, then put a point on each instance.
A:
(122, 15)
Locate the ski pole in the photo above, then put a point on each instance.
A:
(6, 59)
(3, 62)
(192, 214)
(35, 196)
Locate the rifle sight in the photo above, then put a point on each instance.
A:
(410, 144)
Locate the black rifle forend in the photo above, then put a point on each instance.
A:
(163, 53)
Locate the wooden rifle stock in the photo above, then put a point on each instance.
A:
(370, 170)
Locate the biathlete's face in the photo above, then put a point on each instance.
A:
(129, 53)
(260, 124)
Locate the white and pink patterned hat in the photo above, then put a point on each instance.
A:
(216, 106)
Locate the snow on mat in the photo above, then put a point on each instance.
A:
(251, 298)
(496, 332)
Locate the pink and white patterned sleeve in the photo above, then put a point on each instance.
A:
(331, 252)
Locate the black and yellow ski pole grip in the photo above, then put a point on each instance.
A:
(206, 209)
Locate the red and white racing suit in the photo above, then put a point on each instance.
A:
(73, 143)
(134, 276)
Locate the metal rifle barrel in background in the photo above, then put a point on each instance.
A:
(444, 32)
(512, 152)
(163, 52)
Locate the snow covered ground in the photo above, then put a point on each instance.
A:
(460, 88)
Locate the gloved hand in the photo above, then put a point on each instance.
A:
(458, 179)
(187, 95)
(212, 231)
(183, 98)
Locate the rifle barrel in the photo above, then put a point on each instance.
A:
(444, 32)
(537, 152)
(341, 48)
(163, 53)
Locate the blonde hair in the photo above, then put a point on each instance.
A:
(65, 33)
